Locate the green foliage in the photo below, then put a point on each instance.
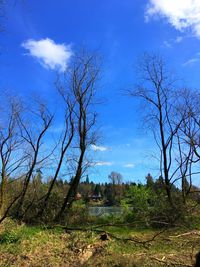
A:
(13, 232)
(149, 207)
(9, 237)
(110, 219)
(138, 197)
(78, 214)
(139, 202)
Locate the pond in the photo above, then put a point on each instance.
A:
(98, 211)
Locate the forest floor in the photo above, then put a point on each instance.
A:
(22, 245)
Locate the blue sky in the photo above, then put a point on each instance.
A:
(121, 31)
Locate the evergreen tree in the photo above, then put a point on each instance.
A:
(149, 181)
(87, 181)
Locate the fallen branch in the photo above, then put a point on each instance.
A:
(165, 224)
(145, 243)
(186, 234)
(169, 263)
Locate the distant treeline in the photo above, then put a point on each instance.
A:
(148, 201)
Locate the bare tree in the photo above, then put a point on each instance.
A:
(191, 125)
(12, 157)
(33, 136)
(157, 89)
(80, 85)
(189, 138)
(65, 142)
(116, 182)
(115, 178)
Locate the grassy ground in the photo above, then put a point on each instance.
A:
(37, 246)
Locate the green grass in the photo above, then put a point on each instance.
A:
(22, 245)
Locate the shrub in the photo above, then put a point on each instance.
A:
(9, 237)
(150, 208)
(140, 200)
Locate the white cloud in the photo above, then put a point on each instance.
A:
(103, 163)
(99, 148)
(130, 165)
(179, 39)
(181, 14)
(48, 53)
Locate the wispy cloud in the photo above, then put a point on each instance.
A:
(56, 129)
(167, 44)
(103, 163)
(129, 165)
(181, 14)
(48, 53)
(179, 39)
(99, 148)
(170, 43)
(192, 61)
